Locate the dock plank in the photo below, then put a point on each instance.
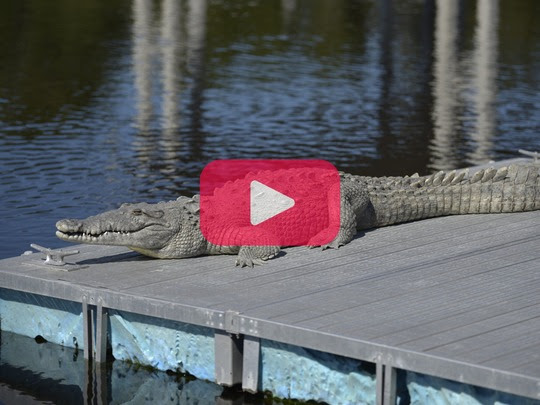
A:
(498, 323)
(513, 359)
(371, 290)
(487, 346)
(357, 285)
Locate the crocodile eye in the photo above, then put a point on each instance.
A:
(156, 214)
(137, 211)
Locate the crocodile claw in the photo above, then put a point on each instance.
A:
(249, 262)
(332, 245)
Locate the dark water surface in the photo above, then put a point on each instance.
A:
(50, 374)
(127, 100)
(103, 102)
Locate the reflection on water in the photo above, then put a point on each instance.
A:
(446, 87)
(127, 100)
(167, 39)
(456, 78)
(142, 60)
(485, 60)
(52, 374)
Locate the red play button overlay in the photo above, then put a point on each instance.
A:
(270, 202)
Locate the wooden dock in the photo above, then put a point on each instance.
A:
(452, 297)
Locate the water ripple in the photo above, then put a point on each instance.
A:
(137, 99)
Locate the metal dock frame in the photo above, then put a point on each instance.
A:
(238, 343)
(237, 354)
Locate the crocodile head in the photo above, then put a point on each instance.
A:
(163, 230)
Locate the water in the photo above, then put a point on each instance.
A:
(127, 100)
(49, 374)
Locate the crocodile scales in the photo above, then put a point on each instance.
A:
(171, 229)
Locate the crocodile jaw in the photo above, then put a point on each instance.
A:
(148, 236)
(119, 238)
(105, 238)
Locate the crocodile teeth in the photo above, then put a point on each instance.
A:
(89, 236)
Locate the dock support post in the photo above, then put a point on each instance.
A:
(228, 358)
(95, 351)
(101, 386)
(88, 329)
(250, 367)
(379, 383)
(385, 384)
(94, 331)
(101, 333)
(390, 377)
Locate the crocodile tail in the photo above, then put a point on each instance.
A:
(514, 188)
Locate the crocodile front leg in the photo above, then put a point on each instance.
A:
(255, 255)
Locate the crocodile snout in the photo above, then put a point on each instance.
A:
(69, 225)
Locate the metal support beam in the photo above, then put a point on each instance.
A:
(101, 333)
(250, 367)
(385, 384)
(95, 351)
(101, 384)
(94, 331)
(228, 358)
(390, 377)
(379, 383)
(88, 329)
(88, 391)
(96, 385)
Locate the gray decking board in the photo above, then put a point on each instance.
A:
(532, 367)
(410, 283)
(432, 303)
(526, 344)
(369, 286)
(514, 358)
(411, 328)
(457, 297)
(401, 331)
(495, 324)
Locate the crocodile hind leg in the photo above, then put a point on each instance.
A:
(347, 227)
(353, 204)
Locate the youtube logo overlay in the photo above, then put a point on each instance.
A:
(270, 202)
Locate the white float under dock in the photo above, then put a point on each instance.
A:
(455, 297)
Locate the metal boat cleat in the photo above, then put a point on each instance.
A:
(55, 257)
(534, 155)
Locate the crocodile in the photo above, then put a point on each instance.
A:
(172, 229)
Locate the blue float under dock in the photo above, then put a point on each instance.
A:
(444, 309)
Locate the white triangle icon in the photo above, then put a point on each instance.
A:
(265, 202)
